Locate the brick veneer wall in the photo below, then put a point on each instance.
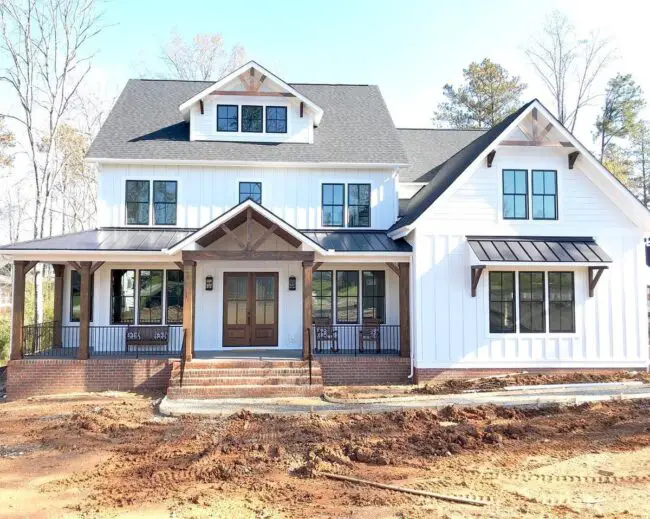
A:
(348, 370)
(423, 375)
(34, 377)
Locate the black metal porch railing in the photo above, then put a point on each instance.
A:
(356, 339)
(51, 339)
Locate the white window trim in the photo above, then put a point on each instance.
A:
(529, 180)
(264, 105)
(346, 206)
(151, 180)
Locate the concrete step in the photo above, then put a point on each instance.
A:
(245, 372)
(243, 391)
(268, 380)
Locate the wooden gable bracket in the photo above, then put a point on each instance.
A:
(393, 267)
(490, 158)
(317, 265)
(95, 266)
(477, 270)
(179, 264)
(201, 105)
(573, 156)
(594, 276)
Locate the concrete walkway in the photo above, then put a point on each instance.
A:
(530, 396)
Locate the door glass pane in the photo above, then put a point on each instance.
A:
(237, 296)
(265, 300)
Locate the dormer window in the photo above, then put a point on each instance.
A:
(544, 195)
(251, 119)
(227, 120)
(276, 119)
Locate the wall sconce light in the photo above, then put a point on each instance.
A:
(209, 283)
(292, 282)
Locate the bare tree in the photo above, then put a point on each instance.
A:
(7, 141)
(44, 46)
(14, 206)
(568, 66)
(202, 58)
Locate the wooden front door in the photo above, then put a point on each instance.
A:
(250, 307)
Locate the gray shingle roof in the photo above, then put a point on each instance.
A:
(427, 148)
(145, 123)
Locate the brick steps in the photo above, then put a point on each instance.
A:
(241, 378)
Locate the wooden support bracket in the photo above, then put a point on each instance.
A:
(573, 156)
(201, 105)
(317, 265)
(490, 158)
(230, 233)
(594, 276)
(267, 234)
(393, 267)
(477, 270)
(179, 264)
(30, 265)
(95, 266)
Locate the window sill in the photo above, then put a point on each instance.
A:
(554, 335)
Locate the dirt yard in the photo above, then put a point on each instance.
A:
(112, 455)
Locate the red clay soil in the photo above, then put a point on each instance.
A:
(264, 466)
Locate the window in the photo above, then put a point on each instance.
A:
(531, 302)
(174, 297)
(227, 118)
(150, 297)
(561, 305)
(502, 302)
(252, 190)
(322, 295)
(251, 119)
(544, 195)
(276, 119)
(359, 205)
(137, 202)
(515, 194)
(333, 203)
(164, 202)
(75, 296)
(347, 296)
(122, 296)
(374, 295)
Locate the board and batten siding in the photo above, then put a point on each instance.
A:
(206, 192)
(451, 328)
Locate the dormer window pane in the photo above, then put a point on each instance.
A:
(251, 119)
(359, 205)
(276, 119)
(227, 118)
(137, 202)
(544, 195)
(333, 204)
(515, 194)
(164, 202)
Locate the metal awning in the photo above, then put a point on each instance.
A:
(537, 249)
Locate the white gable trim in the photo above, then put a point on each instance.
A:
(318, 111)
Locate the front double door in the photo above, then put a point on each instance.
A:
(250, 307)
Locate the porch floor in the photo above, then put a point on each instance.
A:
(249, 353)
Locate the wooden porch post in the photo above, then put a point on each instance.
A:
(18, 312)
(307, 268)
(189, 300)
(58, 304)
(84, 311)
(404, 310)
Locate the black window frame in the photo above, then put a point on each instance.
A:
(165, 203)
(378, 300)
(150, 296)
(514, 194)
(528, 306)
(318, 298)
(332, 205)
(274, 119)
(359, 205)
(72, 295)
(123, 297)
(241, 184)
(555, 305)
(243, 119)
(228, 118)
(347, 298)
(128, 202)
(503, 302)
(543, 195)
(174, 282)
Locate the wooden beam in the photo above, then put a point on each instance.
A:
(573, 156)
(317, 265)
(594, 276)
(271, 230)
(248, 255)
(307, 276)
(545, 131)
(476, 271)
(561, 144)
(30, 265)
(393, 267)
(18, 311)
(179, 264)
(96, 266)
(250, 93)
(74, 265)
(525, 131)
(58, 304)
(201, 105)
(490, 158)
(230, 233)
(84, 311)
(535, 125)
(249, 228)
(189, 311)
(302, 108)
(404, 310)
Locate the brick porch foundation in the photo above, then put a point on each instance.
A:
(36, 377)
(348, 370)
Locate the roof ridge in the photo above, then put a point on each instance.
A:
(445, 129)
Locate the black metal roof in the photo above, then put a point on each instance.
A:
(537, 249)
(366, 240)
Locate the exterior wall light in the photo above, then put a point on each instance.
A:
(292, 282)
(209, 283)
